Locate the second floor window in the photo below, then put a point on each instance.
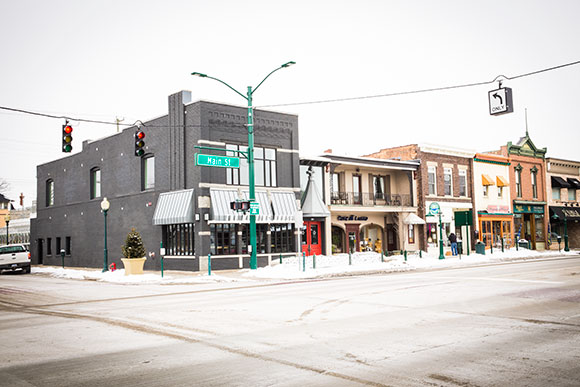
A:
(463, 183)
(147, 172)
(556, 193)
(265, 169)
(485, 191)
(572, 194)
(499, 192)
(379, 187)
(518, 175)
(447, 182)
(95, 183)
(534, 184)
(49, 192)
(432, 180)
(335, 187)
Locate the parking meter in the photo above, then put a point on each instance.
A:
(62, 253)
(559, 241)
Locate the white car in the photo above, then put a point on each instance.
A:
(15, 256)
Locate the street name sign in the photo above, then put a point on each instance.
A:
(217, 161)
(434, 209)
(500, 101)
(254, 208)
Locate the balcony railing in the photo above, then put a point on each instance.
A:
(366, 199)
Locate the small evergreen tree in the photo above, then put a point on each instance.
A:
(133, 247)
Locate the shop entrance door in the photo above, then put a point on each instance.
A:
(311, 241)
(530, 229)
(391, 238)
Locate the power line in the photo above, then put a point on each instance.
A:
(498, 78)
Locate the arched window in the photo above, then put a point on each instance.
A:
(49, 192)
(147, 172)
(95, 183)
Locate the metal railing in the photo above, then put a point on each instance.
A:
(366, 199)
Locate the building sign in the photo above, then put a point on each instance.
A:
(492, 209)
(463, 218)
(351, 218)
(217, 161)
(434, 209)
(528, 209)
(571, 213)
(500, 101)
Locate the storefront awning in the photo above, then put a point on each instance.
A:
(574, 183)
(502, 181)
(558, 182)
(486, 180)
(285, 209)
(174, 207)
(570, 213)
(413, 219)
(222, 212)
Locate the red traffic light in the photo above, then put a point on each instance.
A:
(140, 135)
(68, 129)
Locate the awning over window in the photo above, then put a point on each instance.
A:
(571, 213)
(486, 180)
(285, 209)
(558, 182)
(174, 207)
(222, 212)
(502, 181)
(574, 183)
(413, 219)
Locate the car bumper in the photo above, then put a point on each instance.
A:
(14, 266)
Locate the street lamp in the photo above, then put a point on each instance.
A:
(441, 256)
(7, 220)
(105, 207)
(250, 153)
(566, 248)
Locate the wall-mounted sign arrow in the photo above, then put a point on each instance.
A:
(496, 95)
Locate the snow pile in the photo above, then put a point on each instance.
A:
(328, 266)
(118, 276)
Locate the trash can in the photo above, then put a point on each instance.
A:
(459, 247)
(480, 248)
(523, 243)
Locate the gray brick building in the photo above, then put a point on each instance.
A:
(166, 197)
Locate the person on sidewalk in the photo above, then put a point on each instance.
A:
(453, 240)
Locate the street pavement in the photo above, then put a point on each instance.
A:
(491, 325)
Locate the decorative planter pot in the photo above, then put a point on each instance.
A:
(133, 265)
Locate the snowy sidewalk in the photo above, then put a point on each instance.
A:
(293, 268)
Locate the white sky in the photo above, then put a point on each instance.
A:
(107, 59)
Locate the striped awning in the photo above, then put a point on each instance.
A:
(221, 211)
(486, 180)
(285, 209)
(174, 207)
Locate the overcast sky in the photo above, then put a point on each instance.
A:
(107, 59)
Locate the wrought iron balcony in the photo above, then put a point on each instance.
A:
(366, 199)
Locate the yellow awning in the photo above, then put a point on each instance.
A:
(487, 180)
(502, 181)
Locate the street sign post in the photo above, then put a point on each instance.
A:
(217, 161)
(254, 208)
(500, 101)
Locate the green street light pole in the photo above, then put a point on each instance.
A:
(250, 153)
(566, 248)
(441, 256)
(105, 207)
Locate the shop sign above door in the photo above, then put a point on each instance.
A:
(528, 209)
(434, 209)
(351, 217)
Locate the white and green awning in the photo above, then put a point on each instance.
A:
(175, 207)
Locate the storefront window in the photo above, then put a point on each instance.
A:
(539, 221)
(411, 233)
(282, 238)
(519, 226)
(178, 239)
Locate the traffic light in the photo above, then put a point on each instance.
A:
(240, 206)
(67, 138)
(139, 143)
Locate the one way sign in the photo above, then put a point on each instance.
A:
(500, 101)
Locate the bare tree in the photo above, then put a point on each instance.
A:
(4, 185)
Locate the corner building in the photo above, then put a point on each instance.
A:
(166, 197)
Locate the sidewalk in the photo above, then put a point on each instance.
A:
(294, 268)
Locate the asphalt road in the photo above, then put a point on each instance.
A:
(512, 324)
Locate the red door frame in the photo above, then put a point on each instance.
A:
(312, 248)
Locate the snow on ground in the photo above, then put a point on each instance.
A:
(293, 267)
(118, 276)
(327, 266)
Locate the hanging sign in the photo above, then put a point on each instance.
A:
(500, 101)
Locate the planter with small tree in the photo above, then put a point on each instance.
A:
(134, 253)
